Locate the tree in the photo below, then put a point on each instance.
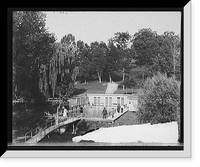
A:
(129, 82)
(83, 60)
(61, 63)
(65, 91)
(159, 100)
(122, 40)
(125, 53)
(98, 53)
(171, 46)
(157, 53)
(145, 43)
(80, 52)
(85, 68)
(63, 70)
(146, 48)
(112, 59)
(32, 48)
(167, 59)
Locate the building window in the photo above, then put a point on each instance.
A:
(95, 101)
(110, 101)
(118, 100)
(106, 101)
(78, 101)
(82, 100)
(87, 99)
(98, 100)
(122, 100)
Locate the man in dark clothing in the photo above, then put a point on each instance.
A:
(104, 113)
(81, 111)
(118, 108)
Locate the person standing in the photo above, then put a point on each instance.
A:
(81, 111)
(122, 108)
(64, 112)
(118, 108)
(113, 112)
(104, 113)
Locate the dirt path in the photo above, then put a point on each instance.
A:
(111, 88)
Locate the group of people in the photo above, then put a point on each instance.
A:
(119, 109)
(65, 113)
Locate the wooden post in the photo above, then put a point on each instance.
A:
(72, 128)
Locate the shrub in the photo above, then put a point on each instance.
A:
(159, 100)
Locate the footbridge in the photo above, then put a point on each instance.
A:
(73, 115)
(56, 122)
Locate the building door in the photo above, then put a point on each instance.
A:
(106, 101)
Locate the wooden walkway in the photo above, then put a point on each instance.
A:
(39, 133)
(34, 138)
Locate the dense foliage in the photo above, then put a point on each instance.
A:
(32, 49)
(159, 100)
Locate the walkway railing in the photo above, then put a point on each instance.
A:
(53, 99)
(72, 115)
(74, 112)
(37, 130)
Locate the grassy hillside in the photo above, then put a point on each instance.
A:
(90, 87)
(96, 87)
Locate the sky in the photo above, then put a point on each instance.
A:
(101, 26)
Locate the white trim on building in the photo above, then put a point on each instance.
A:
(107, 100)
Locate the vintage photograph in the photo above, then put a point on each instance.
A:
(97, 78)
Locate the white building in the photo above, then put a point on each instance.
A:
(107, 100)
